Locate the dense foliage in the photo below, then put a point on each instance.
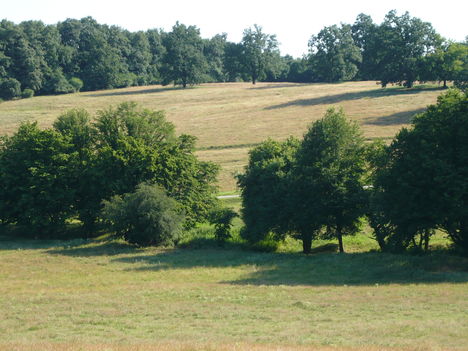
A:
(308, 188)
(50, 176)
(421, 183)
(83, 54)
(144, 217)
(324, 185)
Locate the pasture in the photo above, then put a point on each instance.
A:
(230, 118)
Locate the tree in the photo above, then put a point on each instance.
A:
(327, 179)
(364, 33)
(333, 54)
(421, 184)
(258, 50)
(10, 88)
(183, 61)
(145, 217)
(222, 218)
(401, 42)
(36, 173)
(264, 187)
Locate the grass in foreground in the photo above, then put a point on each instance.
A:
(230, 118)
(106, 295)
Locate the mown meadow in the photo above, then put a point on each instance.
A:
(104, 294)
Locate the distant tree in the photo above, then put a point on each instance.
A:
(139, 58)
(327, 179)
(183, 62)
(233, 62)
(400, 43)
(258, 50)
(9, 88)
(421, 184)
(213, 50)
(333, 54)
(364, 33)
(145, 217)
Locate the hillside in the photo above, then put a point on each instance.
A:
(229, 118)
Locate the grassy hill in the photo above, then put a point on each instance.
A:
(230, 118)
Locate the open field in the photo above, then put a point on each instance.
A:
(107, 295)
(229, 118)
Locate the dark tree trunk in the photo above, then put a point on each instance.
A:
(339, 234)
(445, 83)
(306, 244)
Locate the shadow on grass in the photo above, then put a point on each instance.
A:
(334, 99)
(277, 85)
(317, 269)
(398, 118)
(133, 92)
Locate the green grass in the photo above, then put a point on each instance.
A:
(107, 292)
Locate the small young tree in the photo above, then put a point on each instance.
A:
(222, 218)
(145, 217)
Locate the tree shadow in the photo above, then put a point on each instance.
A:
(404, 117)
(334, 99)
(133, 92)
(96, 248)
(277, 85)
(313, 270)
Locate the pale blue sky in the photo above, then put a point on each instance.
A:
(293, 21)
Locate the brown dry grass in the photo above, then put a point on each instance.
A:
(238, 114)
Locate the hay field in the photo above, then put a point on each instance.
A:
(229, 118)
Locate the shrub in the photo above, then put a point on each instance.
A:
(76, 83)
(9, 89)
(145, 217)
(27, 93)
(222, 218)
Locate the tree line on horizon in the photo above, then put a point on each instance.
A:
(74, 55)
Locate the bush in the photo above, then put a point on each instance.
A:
(76, 83)
(145, 217)
(27, 93)
(222, 218)
(9, 89)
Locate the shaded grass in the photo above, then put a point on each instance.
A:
(230, 118)
(106, 294)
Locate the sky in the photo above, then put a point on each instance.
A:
(293, 21)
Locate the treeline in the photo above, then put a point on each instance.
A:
(331, 182)
(82, 54)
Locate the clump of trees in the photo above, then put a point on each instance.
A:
(326, 184)
(307, 188)
(83, 54)
(51, 176)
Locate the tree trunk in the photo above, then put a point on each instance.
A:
(306, 244)
(445, 83)
(340, 239)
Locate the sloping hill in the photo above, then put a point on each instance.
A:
(229, 118)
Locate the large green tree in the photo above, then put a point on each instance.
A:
(422, 180)
(258, 52)
(183, 62)
(328, 177)
(334, 56)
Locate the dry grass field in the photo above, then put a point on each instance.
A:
(229, 118)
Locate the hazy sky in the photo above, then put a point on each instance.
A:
(293, 21)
